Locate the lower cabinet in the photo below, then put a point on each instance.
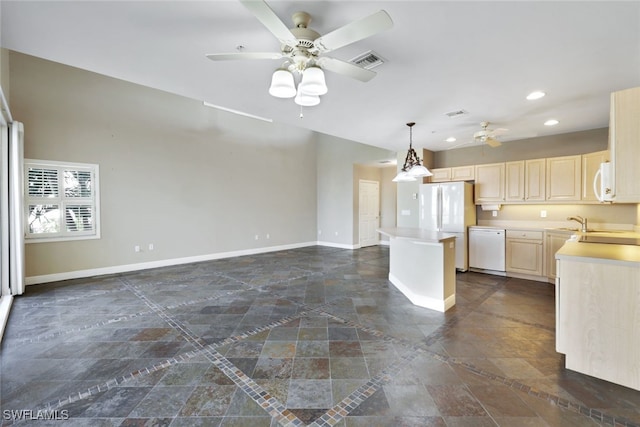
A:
(554, 241)
(525, 252)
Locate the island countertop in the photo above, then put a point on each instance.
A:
(600, 252)
(418, 234)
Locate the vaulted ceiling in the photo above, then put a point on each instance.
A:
(480, 58)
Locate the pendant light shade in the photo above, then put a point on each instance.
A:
(282, 84)
(313, 82)
(305, 100)
(419, 170)
(404, 177)
(412, 167)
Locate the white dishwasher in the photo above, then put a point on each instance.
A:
(487, 248)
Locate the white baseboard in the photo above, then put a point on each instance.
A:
(338, 245)
(421, 300)
(5, 306)
(46, 278)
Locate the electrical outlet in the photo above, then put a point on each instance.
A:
(151, 247)
(267, 236)
(257, 237)
(136, 248)
(494, 213)
(543, 214)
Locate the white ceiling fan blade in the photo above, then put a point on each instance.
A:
(346, 68)
(269, 19)
(243, 55)
(355, 31)
(493, 143)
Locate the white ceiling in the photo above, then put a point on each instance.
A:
(481, 57)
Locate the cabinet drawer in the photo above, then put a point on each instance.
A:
(524, 234)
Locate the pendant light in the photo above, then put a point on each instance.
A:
(412, 168)
(282, 84)
(313, 82)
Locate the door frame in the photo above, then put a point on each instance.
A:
(360, 185)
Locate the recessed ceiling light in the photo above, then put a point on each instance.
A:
(551, 122)
(535, 95)
(450, 139)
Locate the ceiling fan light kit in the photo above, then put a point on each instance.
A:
(412, 168)
(302, 49)
(282, 84)
(306, 100)
(311, 86)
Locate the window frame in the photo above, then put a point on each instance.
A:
(63, 201)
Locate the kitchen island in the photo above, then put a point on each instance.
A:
(598, 310)
(422, 266)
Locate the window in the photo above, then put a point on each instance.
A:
(61, 201)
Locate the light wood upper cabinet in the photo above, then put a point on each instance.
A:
(489, 183)
(590, 165)
(458, 173)
(535, 180)
(525, 181)
(624, 144)
(441, 175)
(514, 181)
(564, 178)
(463, 173)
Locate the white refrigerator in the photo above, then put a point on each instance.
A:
(449, 207)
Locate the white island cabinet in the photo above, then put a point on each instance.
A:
(598, 310)
(422, 266)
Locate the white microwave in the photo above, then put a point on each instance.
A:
(603, 183)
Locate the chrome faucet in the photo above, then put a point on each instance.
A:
(582, 221)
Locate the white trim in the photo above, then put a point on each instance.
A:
(46, 278)
(338, 245)
(421, 300)
(5, 307)
(384, 242)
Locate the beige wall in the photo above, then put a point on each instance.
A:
(337, 200)
(531, 148)
(192, 180)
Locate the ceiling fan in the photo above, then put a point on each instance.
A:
(485, 136)
(303, 49)
(488, 136)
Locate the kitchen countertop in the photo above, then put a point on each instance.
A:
(600, 253)
(417, 234)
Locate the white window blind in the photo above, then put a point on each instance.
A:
(62, 201)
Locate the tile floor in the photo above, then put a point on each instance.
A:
(314, 336)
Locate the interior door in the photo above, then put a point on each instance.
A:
(369, 212)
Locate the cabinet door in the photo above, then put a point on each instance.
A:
(441, 175)
(514, 181)
(564, 178)
(590, 165)
(535, 178)
(489, 183)
(624, 134)
(524, 257)
(554, 242)
(463, 173)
